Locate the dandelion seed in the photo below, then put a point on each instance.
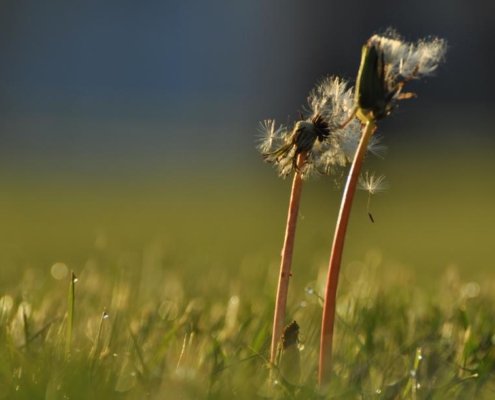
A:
(372, 184)
(376, 147)
(270, 135)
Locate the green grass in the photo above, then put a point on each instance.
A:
(168, 336)
(176, 281)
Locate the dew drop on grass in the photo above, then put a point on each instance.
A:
(309, 290)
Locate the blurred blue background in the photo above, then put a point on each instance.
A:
(97, 87)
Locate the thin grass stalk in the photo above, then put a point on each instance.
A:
(286, 260)
(139, 353)
(94, 353)
(25, 325)
(329, 305)
(70, 312)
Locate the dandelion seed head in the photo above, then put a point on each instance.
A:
(387, 64)
(331, 103)
(372, 183)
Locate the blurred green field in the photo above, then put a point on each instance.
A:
(438, 213)
(186, 264)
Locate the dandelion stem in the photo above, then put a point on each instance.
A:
(329, 305)
(286, 261)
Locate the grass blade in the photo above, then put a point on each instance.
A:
(70, 312)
